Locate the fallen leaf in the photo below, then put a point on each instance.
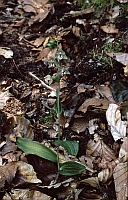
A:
(93, 181)
(109, 28)
(79, 124)
(4, 96)
(39, 41)
(7, 173)
(6, 52)
(27, 172)
(120, 57)
(123, 153)
(98, 148)
(117, 126)
(94, 102)
(121, 181)
(105, 92)
(79, 13)
(43, 54)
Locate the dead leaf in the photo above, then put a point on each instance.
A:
(79, 13)
(6, 52)
(109, 28)
(123, 153)
(105, 92)
(120, 57)
(27, 173)
(79, 124)
(4, 96)
(121, 181)
(7, 173)
(39, 41)
(114, 12)
(93, 181)
(94, 102)
(98, 148)
(117, 126)
(18, 126)
(43, 54)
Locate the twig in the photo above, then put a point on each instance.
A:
(42, 83)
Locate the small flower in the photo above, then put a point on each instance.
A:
(60, 54)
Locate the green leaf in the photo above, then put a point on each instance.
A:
(72, 147)
(71, 168)
(36, 148)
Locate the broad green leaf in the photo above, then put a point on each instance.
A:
(71, 168)
(36, 148)
(71, 146)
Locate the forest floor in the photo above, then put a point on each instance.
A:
(91, 47)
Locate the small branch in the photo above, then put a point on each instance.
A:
(42, 83)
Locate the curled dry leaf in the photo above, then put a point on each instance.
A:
(104, 175)
(118, 127)
(121, 181)
(97, 147)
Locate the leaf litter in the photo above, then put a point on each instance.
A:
(93, 95)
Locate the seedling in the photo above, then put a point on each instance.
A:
(32, 147)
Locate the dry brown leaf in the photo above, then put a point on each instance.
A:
(97, 147)
(121, 181)
(43, 54)
(81, 88)
(94, 102)
(117, 126)
(109, 28)
(79, 124)
(39, 41)
(7, 173)
(93, 181)
(8, 147)
(27, 173)
(105, 92)
(120, 57)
